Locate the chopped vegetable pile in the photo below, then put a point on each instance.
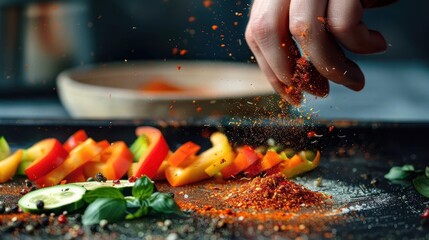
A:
(50, 162)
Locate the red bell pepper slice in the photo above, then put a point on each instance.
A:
(245, 157)
(48, 154)
(183, 153)
(156, 152)
(74, 140)
(76, 176)
(80, 155)
(115, 162)
(269, 160)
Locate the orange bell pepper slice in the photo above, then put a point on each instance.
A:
(246, 156)
(115, 161)
(269, 160)
(80, 155)
(183, 153)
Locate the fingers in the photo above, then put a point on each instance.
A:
(320, 46)
(268, 36)
(344, 22)
(293, 98)
(268, 30)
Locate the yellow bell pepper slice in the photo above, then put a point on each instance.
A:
(299, 164)
(9, 165)
(205, 165)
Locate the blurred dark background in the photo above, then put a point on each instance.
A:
(39, 39)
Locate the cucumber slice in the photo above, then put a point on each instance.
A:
(4, 148)
(56, 199)
(124, 186)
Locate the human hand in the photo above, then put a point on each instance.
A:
(321, 28)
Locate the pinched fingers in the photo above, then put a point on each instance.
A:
(307, 25)
(344, 21)
(268, 37)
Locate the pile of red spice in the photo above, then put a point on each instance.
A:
(273, 192)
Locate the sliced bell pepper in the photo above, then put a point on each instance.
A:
(74, 140)
(76, 158)
(4, 148)
(115, 161)
(160, 174)
(196, 171)
(151, 159)
(9, 165)
(103, 145)
(45, 156)
(245, 157)
(184, 152)
(139, 146)
(76, 176)
(269, 160)
(298, 164)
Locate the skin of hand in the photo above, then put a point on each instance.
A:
(321, 29)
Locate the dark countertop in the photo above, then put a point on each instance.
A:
(393, 91)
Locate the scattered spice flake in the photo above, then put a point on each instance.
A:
(175, 51)
(322, 20)
(425, 214)
(207, 3)
(183, 52)
(274, 192)
(331, 128)
(312, 134)
(179, 67)
(214, 27)
(192, 19)
(235, 24)
(199, 109)
(222, 45)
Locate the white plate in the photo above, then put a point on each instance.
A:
(210, 88)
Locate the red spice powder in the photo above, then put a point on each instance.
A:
(274, 192)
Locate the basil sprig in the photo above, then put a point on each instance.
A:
(110, 204)
(420, 178)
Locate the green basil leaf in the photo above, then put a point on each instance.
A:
(399, 173)
(133, 202)
(408, 168)
(110, 209)
(102, 192)
(143, 188)
(421, 183)
(142, 211)
(427, 172)
(164, 203)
